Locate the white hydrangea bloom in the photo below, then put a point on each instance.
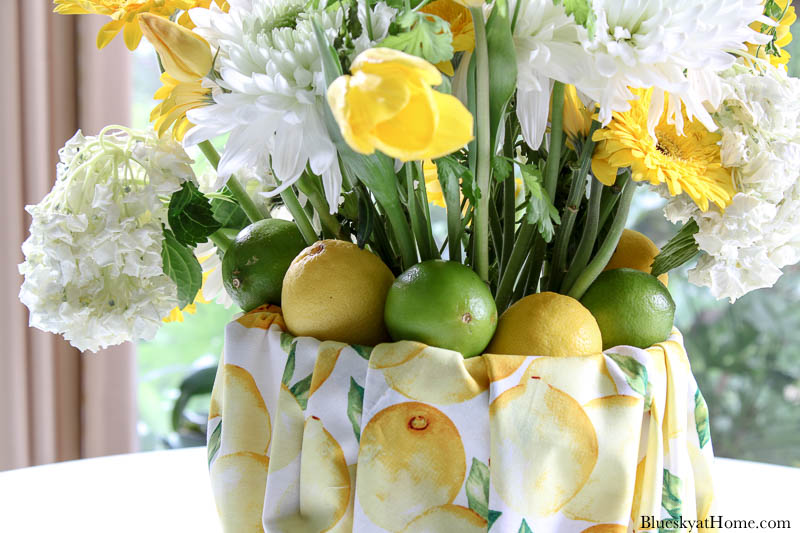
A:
(271, 98)
(92, 268)
(746, 247)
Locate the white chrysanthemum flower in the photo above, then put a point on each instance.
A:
(271, 98)
(675, 46)
(93, 269)
(213, 289)
(548, 46)
(746, 247)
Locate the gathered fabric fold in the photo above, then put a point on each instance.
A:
(311, 436)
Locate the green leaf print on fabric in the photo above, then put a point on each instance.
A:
(477, 488)
(524, 528)
(288, 370)
(214, 442)
(635, 375)
(671, 494)
(300, 391)
(701, 418)
(355, 402)
(363, 351)
(287, 341)
(493, 516)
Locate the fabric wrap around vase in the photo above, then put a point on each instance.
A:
(310, 436)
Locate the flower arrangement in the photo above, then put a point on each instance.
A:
(533, 122)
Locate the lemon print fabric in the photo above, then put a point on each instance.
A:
(312, 436)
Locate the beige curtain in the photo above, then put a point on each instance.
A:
(56, 403)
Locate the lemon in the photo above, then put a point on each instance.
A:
(546, 323)
(635, 250)
(254, 264)
(324, 478)
(447, 518)
(411, 459)
(247, 427)
(336, 291)
(239, 481)
(443, 304)
(632, 308)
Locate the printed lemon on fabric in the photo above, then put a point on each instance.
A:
(388, 104)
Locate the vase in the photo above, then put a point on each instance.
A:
(309, 436)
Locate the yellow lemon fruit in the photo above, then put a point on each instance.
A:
(584, 378)
(429, 374)
(410, 460)
(289, 422)
(239, 481)
(327, 355)
(617, 422)
(247, 428)
(543, 448)
(546, 323)
(635, 250)
(336, 291)
(446, 519)
(324, 478)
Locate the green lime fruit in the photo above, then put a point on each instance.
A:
(631, 307)
(255, 263)
(443, 304)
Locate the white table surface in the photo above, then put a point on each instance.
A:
(168, 491)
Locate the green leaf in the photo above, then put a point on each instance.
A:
(502, 66)
(635, 375)
(423, 35)
(540, 209)
(288, 370)
(214, 442)
(190, 215)
(524, 528)
(300, 391)
(701, 418)
(363, 351)
(355, 403)
(671, 494)
(493, 516)
(228, 212)
(501, 168)
(477, 488)
(680, 249)
(182, 267)
(449, 172)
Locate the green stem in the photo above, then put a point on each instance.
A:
(316, 197)
(518, 255)
(402, 233)
(509, 221)
(596, 266)
(245, 202)
(420, 235)
(556, 140)
(422, 193)
(588, 239)
(539, 249)
(610, 197)
(576, 192)
(483, 165)
(300, 218)
(221, 240)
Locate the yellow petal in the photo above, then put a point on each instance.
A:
(605, 173)
(375, 60)
(108, 32)
(185, 55)
(337, 100)
(446, 67)
(454, 128)
(132, 34)
(408, 134)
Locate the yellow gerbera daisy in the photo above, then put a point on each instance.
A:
(688, 163)
(178, 98)
(176, 315)
(461, 26)
(782, 32)
(124, 15)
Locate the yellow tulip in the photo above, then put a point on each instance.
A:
(470, 3)
(388, 104)
(461, 26)
(185, 55)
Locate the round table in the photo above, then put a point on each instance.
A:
(168, 491)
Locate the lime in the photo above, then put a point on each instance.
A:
(547, 323)
(255, 263)
(635, 250)
(443, 304)
(631, 307)
(335, 291)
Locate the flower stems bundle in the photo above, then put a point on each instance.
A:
(531, 122)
